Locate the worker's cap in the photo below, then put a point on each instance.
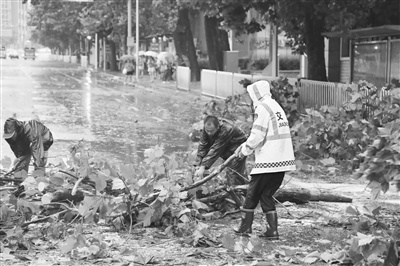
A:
(9, 128)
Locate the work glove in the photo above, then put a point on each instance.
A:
(200, 172)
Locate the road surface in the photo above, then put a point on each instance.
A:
(118, 122)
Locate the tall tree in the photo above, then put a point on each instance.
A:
(55, 24)
(184, 45)
(304, 21)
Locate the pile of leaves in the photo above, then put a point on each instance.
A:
(86, 188)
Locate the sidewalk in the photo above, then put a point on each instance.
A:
(145, 82)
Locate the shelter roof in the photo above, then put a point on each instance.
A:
(386, 30)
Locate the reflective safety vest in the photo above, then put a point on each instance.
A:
(270, 138)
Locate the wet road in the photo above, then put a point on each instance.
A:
(116, 121)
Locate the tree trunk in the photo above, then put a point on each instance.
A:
(184, 44)
(215, 56)
(224, 40)
(113, 61)
(217, 43)
(315, 47)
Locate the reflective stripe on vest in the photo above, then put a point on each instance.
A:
(276, 135)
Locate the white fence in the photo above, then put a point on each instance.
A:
(313, 94)
(183, 78)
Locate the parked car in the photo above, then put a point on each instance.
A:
(13, 54)
(29, 53)
(3, 53)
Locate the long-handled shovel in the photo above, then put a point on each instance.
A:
(211, 175)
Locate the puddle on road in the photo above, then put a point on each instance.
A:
(119, 124)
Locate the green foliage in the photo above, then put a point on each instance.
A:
(344, 133)
(286, 63)
(371, 239)
(260, 64)
(55, 23)
(285, 94)
(203, 63)
(381, 160)
(121, 195)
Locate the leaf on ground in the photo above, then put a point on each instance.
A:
(288, 251)
(328, 161)
(46, 198)
(375, 189)
(42, 186)
(364, 239)
(256, 244)
(184, 218)
(310, 260)
(147, 218)
(326, 256)
(69, 245)
(127, 171)
(117, 184)
(197, 205)
(323, 241)
(29, 183)
(353, 211)
(5, 257)
(228, 242)
(56, 180)
(100, 181)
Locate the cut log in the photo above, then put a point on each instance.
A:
(295, 195)
(329, 197)
(303, 195)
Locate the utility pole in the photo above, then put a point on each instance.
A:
(129, 21)
(137, 40)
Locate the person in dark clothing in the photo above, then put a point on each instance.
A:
(26, 139)
(220, 139)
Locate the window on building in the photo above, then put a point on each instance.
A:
(345, 47)
(394, 60)
(370, 62)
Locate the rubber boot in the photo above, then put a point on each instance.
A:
(247, 221)
(272, 230)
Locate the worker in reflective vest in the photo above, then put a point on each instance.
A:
(271, 141)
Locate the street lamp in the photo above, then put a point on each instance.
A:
(88, 49)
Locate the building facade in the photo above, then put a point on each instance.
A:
(15, 32)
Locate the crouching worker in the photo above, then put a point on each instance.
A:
(271, 140)
(26, 139)
(220, 139)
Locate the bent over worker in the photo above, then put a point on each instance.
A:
(220, 138)
(271, 140)
(26, 139)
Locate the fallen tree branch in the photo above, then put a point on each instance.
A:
(210, 176)
(73, 192)
(68, 173)
(19, 180)
(7, 188)
(44, 218)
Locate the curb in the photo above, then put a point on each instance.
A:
(148, 84)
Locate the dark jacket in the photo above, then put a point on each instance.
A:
(223, 144)
(32, 138)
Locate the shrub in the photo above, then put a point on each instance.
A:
(260, 64)
(344, 133)
(203, 64)
(243, 63)
(286, 63)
